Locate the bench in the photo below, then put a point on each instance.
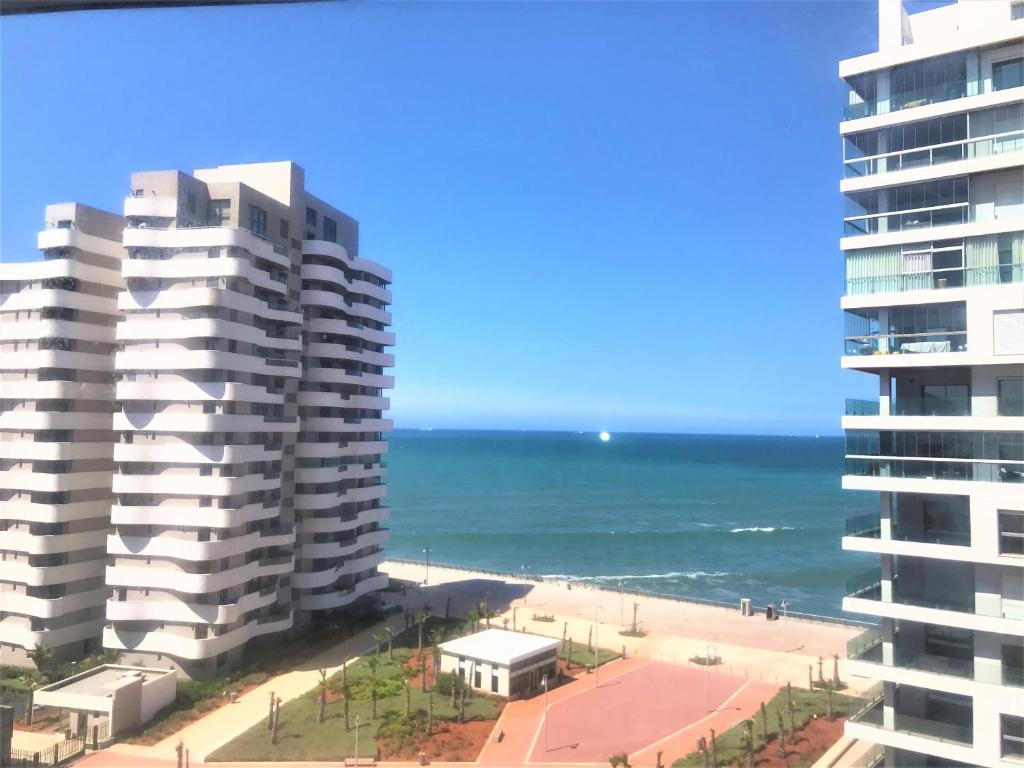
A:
(357, 761)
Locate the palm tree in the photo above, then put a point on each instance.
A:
(421, 618)
(41, 656)
(473, 619)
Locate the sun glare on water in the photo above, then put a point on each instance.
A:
(605, 437)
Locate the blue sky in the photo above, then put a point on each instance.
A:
(616, 216)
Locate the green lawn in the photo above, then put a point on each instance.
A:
(581, 656)
(301, 737)
(731, 744)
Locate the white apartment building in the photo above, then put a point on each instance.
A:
(57, 323)
(933, 182)
(247, 479)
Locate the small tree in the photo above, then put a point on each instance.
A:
(270, 712)
(810, 676)
(42, 656)
(423, 672)
(590, 637)
(408, 698)
(835, 670)
(748, 741)
(473, 619)
(277, 721)
(828, 696)
(821, 676)
(702, 747)
(714, 749)
(345, 693)
(487, 609)
(620, 760)
(568, 660)
(565, 631)
(764, 722)
(391, 637)
(322, 684)
(782, 734)
(633, 626)
(430, 714)
(421, 618)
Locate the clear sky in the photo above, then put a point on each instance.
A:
(617, 216)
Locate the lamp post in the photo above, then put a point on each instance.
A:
(357, 739)
(426, 572)
(545, 682)
(784, 605)
(709, 650)
(597, 674)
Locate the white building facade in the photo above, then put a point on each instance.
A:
(933, 243)
(247, 484)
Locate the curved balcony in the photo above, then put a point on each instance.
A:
(187, 612)
(200, 328)
(183, 647)
(336, 549)
(343, 598)
(48, 608)
(193, 485)
(322, 578)
(28, 450)
(338, 524)
(174, 360)
(27, 480)
(54, 638)
(14, 540)
(192, 516)
(181, 298)
(37, 298)
(183, 582)
(202, 268)
(25, 510)
(174, 548)
(21, 572)
(206, 237)
(184, 452)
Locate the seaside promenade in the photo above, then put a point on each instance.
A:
(758, 655)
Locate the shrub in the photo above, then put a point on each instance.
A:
(706, 661)
(446, 681)
(254, 678)
(205, 705)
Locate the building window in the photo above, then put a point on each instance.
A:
(311, 217)
(218, 212)
(1016, 11)
(191, 202)
(1011, 533)
(1010, 397)
(476, 677)
(1008, 74)
(494, 681)
(284, 229)
(330, 230)
(1013, 664)
(1013, 736)
(257, 220)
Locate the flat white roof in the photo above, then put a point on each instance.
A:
(500, 646)
(102, 680)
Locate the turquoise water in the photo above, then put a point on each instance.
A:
(711, 516)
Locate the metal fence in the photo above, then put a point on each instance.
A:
(61, 752)
(732, 606)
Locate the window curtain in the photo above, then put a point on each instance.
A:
(873, 270)
(917, 271)
(981, 258)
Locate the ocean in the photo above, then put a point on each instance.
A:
(712, 516)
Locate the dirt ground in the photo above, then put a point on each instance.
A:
(414, 664)
(812, 741)
(451, 742)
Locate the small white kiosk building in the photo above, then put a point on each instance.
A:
(504, 663)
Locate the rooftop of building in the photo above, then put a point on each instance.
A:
(499, 646)
(102, 680)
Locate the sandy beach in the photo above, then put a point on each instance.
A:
(766, 651)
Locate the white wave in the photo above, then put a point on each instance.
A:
(766, 529)
(707, 525)
(635, 576)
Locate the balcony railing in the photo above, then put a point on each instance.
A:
(931, 406)
(934, 729)
(941, 665)
(904, 221)
(856, 407)
(936, 154)
(867, 646)
(866, 526)
(962, 603)
(931, 469)
(905, 343)
(951, 537)
(866, 585)
(954, 89)
(936, 279)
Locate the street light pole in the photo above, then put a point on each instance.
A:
(785, 625)
(426, 573)
(545, 682)
(707, 675)
(357, 739)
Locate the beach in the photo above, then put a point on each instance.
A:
(774, 652)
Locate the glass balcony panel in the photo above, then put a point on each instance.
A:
(961, 603)
(905, 343)
(942, 665)
(904, 221)
(931, 406)
(855, 407)
(867, 646)
(866, 526)
(1005, 472)
(935, 729)
(866, 585)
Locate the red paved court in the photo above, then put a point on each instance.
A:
(629, 712)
